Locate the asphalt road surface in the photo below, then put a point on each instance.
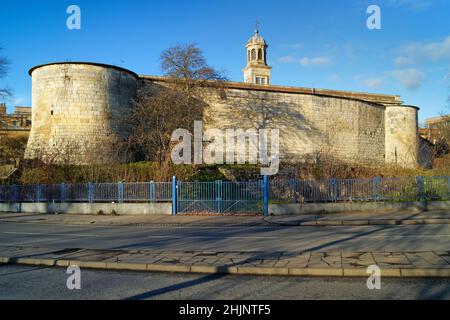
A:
(24, 282)
(348, 238)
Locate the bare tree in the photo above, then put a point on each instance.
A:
(442, 144)
(176, 104)
(189, 73)
(442, 147)
(4, 64)
(187, 64)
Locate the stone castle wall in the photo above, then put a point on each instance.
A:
(402, 146)
(78, 110)
(310, 126)
(88, 102)
(320, 124)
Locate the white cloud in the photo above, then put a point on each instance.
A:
(411, 79)
(447, 78)
(315, 61)
(401, 61)
(19, 101)
(287, 59)
(296, 46)
(334, 78)
(373, 82)
(416, 5)
(319, 61)
(419, 52)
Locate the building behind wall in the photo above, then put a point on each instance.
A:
(438, 122)
(17, 124)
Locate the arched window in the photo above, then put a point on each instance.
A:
(260, 56)
(253, 55)
(248, 55)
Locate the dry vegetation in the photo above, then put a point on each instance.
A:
(133, 172)
(441, 154)
(12, 149)
(177, 105)
(329, 170)
(152, 171)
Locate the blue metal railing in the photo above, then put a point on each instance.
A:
(226, 196)
(88, 192)
(375, 189)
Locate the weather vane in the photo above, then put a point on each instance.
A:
(257, 26)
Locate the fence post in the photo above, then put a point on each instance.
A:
(174, 195)
(377, 188)
(120, 192)
(219, 196)
(292, 189)
(62, 192)
(266, 196)
(333, 183)
(38, 193)
(448, 188)
(90, 192)
(152, 191)
(14, 193)
(421, 188)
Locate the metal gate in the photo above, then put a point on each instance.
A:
(220, 197)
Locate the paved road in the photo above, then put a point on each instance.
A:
(21, 282)
(264, 239)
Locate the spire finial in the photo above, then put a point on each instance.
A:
(257, 26)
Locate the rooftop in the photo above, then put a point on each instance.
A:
(82, 63)
(438, 119)
(256, 38)
(363, 96)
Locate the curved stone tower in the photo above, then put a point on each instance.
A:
(401, 135)
(78, 112)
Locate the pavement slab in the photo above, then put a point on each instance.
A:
(357, 259)
(300, 261)
(325, 260)
(444, 255)
(411, 263)
(425, 259)
(392, 260)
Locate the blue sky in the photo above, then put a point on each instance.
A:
(322, 44)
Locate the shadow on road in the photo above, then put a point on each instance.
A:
(175, 287)
(349, 238)
(27, 269)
